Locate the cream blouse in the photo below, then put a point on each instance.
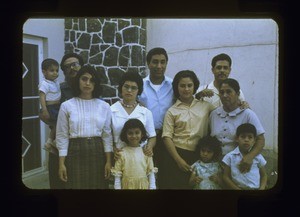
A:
(185, 125)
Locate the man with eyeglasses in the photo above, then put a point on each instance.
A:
(221, 68)
(70, 65)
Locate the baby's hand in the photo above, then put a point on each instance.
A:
(196, 180)
(214, 178)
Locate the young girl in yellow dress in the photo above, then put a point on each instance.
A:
(134, 170)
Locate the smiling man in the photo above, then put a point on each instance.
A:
(158, 97)
(221, 68)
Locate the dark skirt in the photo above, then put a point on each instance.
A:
(174, 177)
(85, 164)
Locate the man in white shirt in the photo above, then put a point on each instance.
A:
(221, 68)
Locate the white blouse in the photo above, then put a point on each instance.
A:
(120, 116)
(79, 118)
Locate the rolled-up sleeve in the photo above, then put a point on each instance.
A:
(62, 131)
(168, 125)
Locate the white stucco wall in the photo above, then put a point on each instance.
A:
(252, 45)
(51, 31)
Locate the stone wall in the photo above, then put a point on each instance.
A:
(112, 46)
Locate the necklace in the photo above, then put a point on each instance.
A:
(128, 105)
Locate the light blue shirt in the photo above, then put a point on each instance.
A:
(249, 180)
(223, 125)
(158, 102)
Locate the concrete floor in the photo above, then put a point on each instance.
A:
(37, 181)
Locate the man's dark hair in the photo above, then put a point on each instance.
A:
(155, 51)
(220, 57)
(69, 55)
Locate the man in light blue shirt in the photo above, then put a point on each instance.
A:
(158, 97)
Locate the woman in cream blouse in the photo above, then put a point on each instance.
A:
(184, 124)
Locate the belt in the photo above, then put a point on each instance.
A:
(83, 139)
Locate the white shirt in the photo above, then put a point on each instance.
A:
(120, 116)
(247, 180)
(215, 99)
(79, 118)
(51, 89)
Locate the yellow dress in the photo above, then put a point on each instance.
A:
(134, 167)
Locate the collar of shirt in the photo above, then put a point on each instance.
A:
(166, 80)
(222, 113)
(179, 103)
(118, 107)
(237, 151)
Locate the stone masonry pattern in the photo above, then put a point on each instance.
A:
(113, 46)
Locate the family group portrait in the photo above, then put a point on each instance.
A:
(150, 104)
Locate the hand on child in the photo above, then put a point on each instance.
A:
(244, 167)
(148, 151)
(245, 164)
(183, 165)
(117, 153)
(214, 178)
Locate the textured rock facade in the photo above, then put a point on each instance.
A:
(113, 46)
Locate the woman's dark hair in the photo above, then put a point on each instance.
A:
(185, 74)
(156, 51)
(134, 77)
(95, 76)
(69, 55)
(130, 124)
(211, 143)
(221, 57)
(234, 84)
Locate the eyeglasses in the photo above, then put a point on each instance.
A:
(128, 87)
(74, 65)
(220, 67)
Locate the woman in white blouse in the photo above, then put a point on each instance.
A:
(130, 86)
(83, 137)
